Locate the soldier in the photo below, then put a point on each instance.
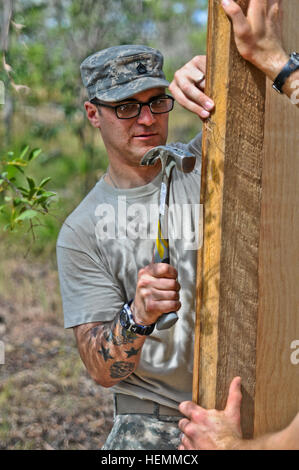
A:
(112, 293)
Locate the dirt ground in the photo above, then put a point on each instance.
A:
(47, 400)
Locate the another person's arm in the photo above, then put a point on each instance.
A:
(258, 39)
(220, 430)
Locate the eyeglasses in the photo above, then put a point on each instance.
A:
(158, 105)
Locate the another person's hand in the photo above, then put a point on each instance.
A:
(157, 292)
(258, 34)
(220, 430)
(211, 429)
(188, 87)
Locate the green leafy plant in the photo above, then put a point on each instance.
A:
(22, 199)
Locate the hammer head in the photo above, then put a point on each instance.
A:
(183, 159)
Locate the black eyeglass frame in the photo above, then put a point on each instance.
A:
(148, 103)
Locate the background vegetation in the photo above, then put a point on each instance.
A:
(46, 398)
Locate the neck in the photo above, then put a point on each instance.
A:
(131, 177)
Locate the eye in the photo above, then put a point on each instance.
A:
(160, 102)
(123, 107)
(127, 110)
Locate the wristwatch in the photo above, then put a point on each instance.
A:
(289, 68)
(127, 322)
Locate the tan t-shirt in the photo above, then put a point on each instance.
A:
(100, 249)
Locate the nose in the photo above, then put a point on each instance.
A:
(146, 117)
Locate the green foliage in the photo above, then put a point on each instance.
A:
(46, 54)
(23, 200)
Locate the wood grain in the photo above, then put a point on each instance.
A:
(231, 193)
(206, 332)
(248, 269)
(277, 391)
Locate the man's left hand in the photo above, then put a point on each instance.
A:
(188, 87)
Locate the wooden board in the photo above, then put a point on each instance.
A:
(277, 390)
(248, 274)
(231, 194)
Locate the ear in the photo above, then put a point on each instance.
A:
(92, 114)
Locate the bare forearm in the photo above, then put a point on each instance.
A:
(267, 442)
(260, 443)
(287, 439)
(109, 352)
(274, 67)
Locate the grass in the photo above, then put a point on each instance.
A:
(47, 400)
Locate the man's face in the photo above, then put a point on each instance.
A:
(127, 140)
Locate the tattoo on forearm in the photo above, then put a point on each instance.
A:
(105, 353)
(113, 346)
(121, 369)
(111, 334)
(128, 336)
(94, 331)
(132, 352)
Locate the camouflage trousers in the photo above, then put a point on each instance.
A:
(143, 432)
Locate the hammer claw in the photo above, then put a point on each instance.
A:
(183, 159)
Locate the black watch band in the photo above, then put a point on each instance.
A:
(289, 68)
(127, 322)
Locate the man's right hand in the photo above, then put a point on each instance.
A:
(157, 292)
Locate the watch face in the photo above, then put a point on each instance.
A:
(124, 320)
(135, 329)
(295, 57)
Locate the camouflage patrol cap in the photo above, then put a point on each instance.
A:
(119, 72)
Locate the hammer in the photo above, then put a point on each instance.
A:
(185, 162)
